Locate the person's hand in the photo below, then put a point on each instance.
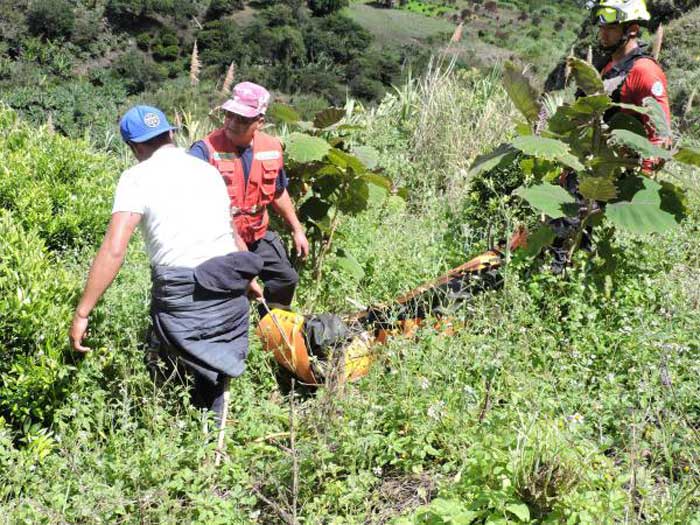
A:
(301, 243)
(78, 329)
(254, 290)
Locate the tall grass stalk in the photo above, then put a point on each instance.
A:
(195, 66)
(458, 115)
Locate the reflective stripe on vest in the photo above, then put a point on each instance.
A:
(248, 200)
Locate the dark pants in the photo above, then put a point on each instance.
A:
(165, 366)
(565, 228)
(278, 276)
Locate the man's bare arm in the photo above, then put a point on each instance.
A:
(103, 270)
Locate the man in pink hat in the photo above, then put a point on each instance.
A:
(252, 166)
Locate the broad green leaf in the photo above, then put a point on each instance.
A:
(548, 198)
(447, 512)
(580, 114)
(643, 214)
(503, 154)
(564, 121)
(350, 127)
(349, 264)
(688, 156)
(300, 147)
(546, 148)
(323, 225)
(378, 180)
(329, 169)
(586, 76)
(523, 128)
(345, 160)
(378, 195)
(674, 200)
(622, 120)
(327, 117)
(520, 510)
(283, 113)
(657, 115)
(640, 145)
(611, 167)
(591, 105)
(314, 208)
(632, 107)
(521, 92)
(354, 198)
(527, 165)
(540, 239)
(368, 155)
(597, 188)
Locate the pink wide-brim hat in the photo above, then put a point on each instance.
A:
(249, 100)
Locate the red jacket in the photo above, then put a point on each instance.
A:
(644, 79)
(248, 201)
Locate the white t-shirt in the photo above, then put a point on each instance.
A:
(185, 207)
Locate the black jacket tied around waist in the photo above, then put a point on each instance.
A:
(201, 314)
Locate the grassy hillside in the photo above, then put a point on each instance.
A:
(533, 32)
(559, 399)
(397, 26)
(91, 59)
(681, 58)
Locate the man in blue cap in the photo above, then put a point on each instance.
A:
(199, 305)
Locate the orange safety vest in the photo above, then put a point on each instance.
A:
(248, 201)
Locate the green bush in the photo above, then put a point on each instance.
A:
(53, 188)
(51, 18)
(366, 88)
(35, 309)
(77, 108)
(168, 53)
(681, 60)
(220, 42)
(220, 8)
(87, 28)
(13, 22)
(337, 37)
(138, 72)
(326, 7)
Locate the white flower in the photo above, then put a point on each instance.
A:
(436, 410)
(469, 392)
(574, 419)
(377, 471)
(425, 383)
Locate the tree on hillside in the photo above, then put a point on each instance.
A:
(220, 43)
(219, 8)
(326, 7)
(51, 18)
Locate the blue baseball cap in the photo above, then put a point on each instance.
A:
(142, 123)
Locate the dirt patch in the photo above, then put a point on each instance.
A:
(399, 494)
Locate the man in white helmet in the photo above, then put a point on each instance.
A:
(630, 74)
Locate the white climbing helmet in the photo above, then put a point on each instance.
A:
(619, 11)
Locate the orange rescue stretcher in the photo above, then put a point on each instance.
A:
(284, 333)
